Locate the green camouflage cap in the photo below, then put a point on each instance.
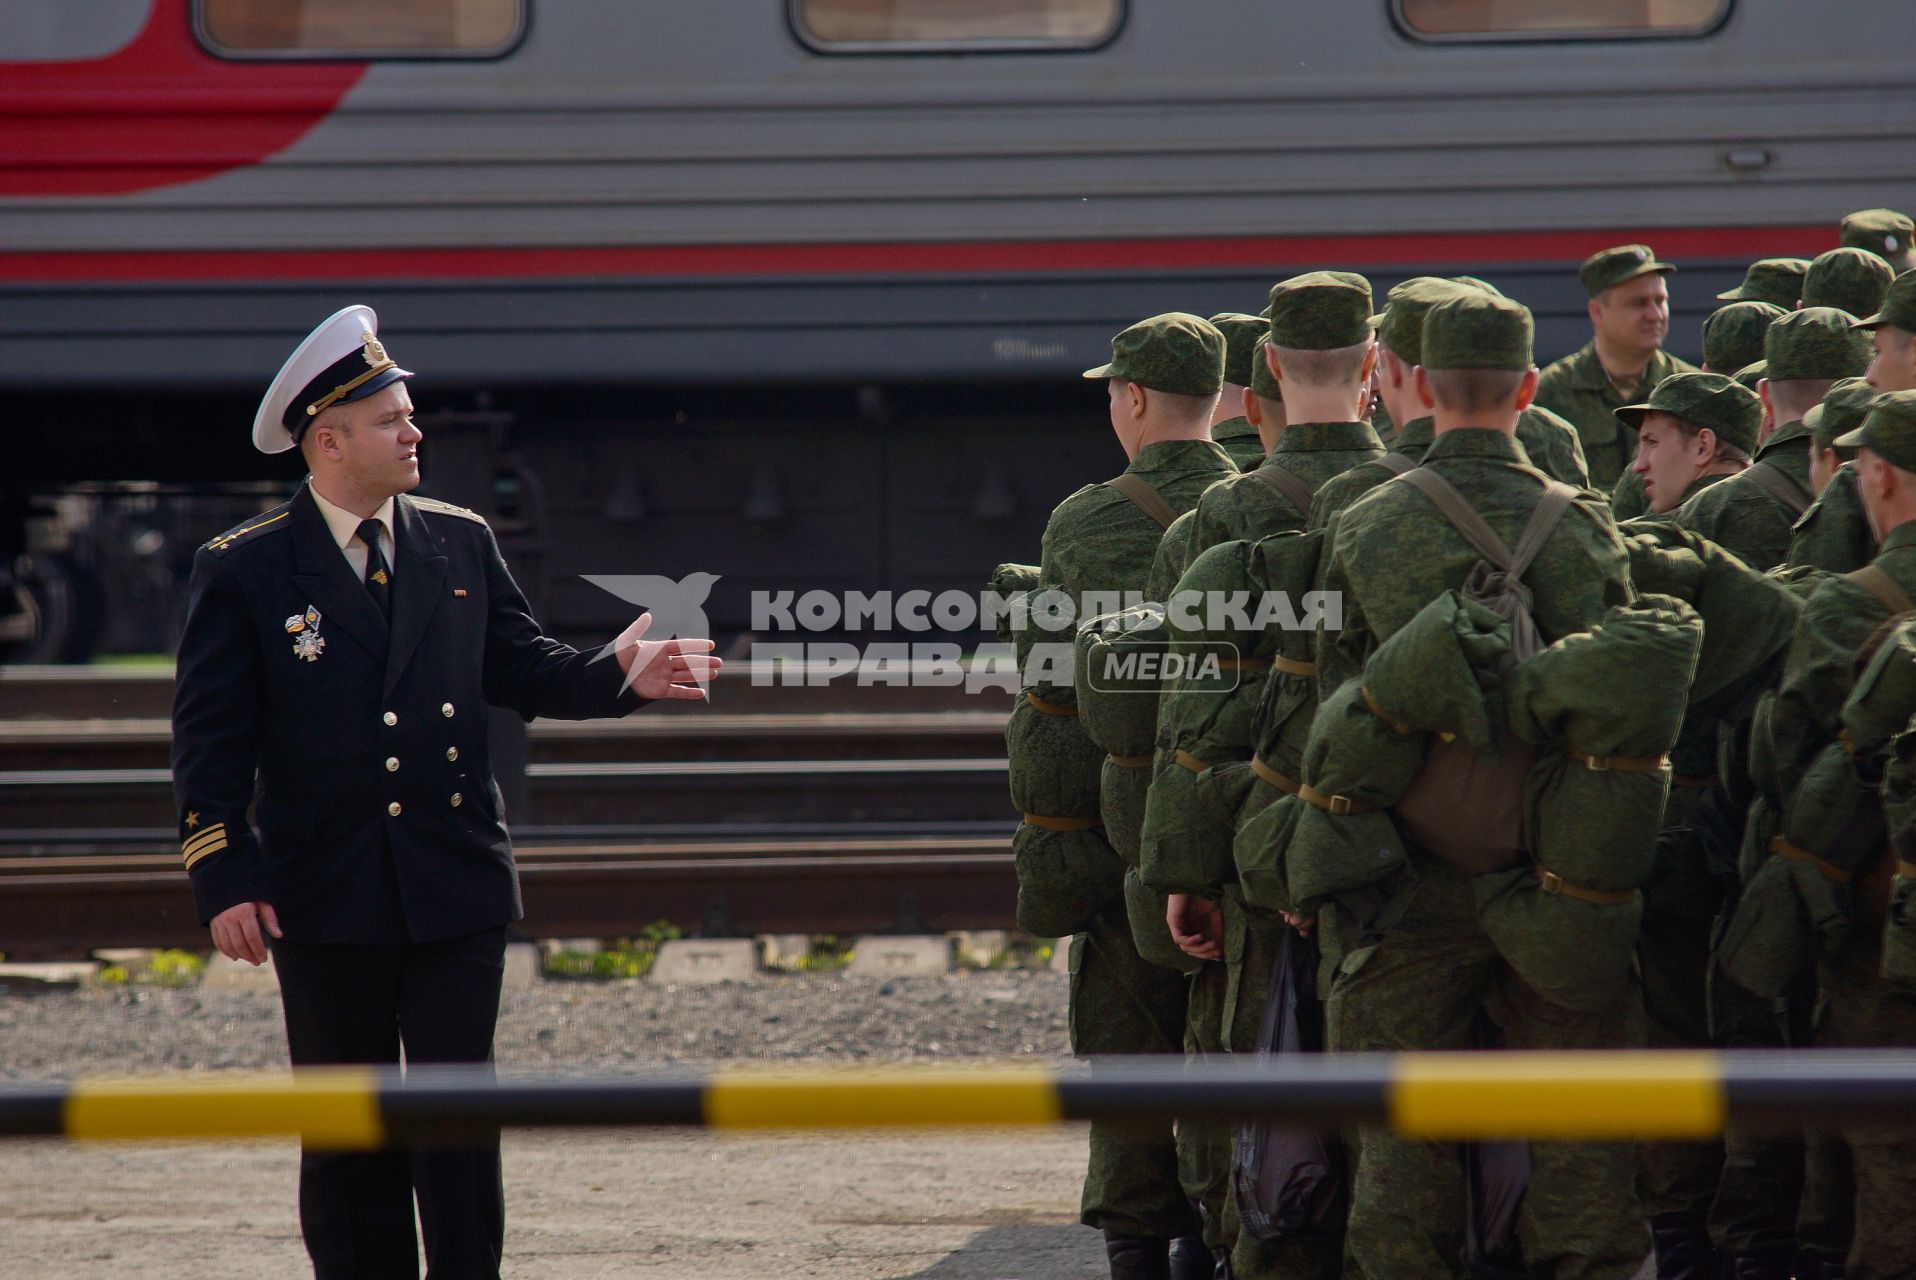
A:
(1243, 343)
(1883, 232)
(1320, 311)
(1778, 281)
(1478, 331)
(1816, 342)
(1176, 353)
(1733, 335)
(1898, 307)
(1400, 326)
(1751, 374)
(1851, 280)
(1608, 268)
(1712, 400)
(1477, 282)
(1842, 411)
(1263, 382)
(1888, 430)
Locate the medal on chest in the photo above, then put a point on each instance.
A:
(308, 644)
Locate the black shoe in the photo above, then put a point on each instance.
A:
(1808, 1268)
(1221, 1270)
(1683, 1248)
(1138, 1257)
(1189, 1259)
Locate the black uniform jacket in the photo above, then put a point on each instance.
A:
(378, 819)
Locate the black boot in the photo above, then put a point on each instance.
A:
(1190, 1259)
(1813, 1268)
(1748, 1266)
(1138, 1257)
(1683, 1248)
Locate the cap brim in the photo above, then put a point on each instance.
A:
(1631, 415)
(1651, 268)
(1102, 371)
(1850, 440)
(1376, 321)
(1876, 321)
(1736, 295)
(269, 432)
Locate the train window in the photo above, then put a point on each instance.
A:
(954, 26)
(1558, 19)
(360, 28)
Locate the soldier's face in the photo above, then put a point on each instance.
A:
(1894, 367)
(1824, 464)
(1634, 315)
(1668, 459)
(381, 452)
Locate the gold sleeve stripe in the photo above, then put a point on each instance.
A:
(206, 836)
(1549, 1096)
(746, 1098)
(221, 542)
(334, 1108)
(204, 851)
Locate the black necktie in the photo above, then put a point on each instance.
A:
(379, 581)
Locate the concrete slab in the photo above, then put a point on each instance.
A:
(523, 966)
(578, 946)
(1061, 955)
(706, 960)
(877, 956)
(131, 957)
(65, 974)
(237, 975)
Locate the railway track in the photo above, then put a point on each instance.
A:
(878, 810)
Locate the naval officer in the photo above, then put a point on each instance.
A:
(339, 655)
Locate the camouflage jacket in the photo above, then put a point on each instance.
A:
(1836, 620)
(1237, 437)
(1578, 388)
(1247, 506)
(1098, 541)
(1629, 499)
(1834, 533)
(1391, 553)
(1745, 518)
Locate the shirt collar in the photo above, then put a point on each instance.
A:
(1475, 442)
(1181, 455)
(1903, 535)
(1309, 437)
(1782, 434)
(1415, 434)
(345, 525)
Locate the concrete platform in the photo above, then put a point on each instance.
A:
(706, 960)
(882, 957)
(237, 975)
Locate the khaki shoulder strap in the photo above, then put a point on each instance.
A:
(1781, 485)
(1463, 517)
(1395, 463)
(1298, 493)
(1875, 579)
(1144, 498)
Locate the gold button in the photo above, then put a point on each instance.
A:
(457, 799)
(393, 808)
(390, 719)
(446, 711)
(392, 764)
(452, 753)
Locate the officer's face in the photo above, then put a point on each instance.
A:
(1635, 315)
(1668, 460)
(1894, 368)
(381, 452)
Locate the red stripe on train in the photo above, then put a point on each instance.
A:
(1274, 253)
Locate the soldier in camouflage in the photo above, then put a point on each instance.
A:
(1752, 514)
(1884, 232)
(1694, 430)
(1777, 281)
(1230, 427)
(1629, 316)
(1834, 533)
(1163, 381)
(1421, 986)
(1851, 280)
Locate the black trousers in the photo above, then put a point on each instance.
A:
(361, 1004)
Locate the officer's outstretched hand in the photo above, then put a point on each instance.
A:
(236, 931)
(680, 668)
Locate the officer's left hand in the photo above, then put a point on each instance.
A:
(664, 668)
(1197, 925)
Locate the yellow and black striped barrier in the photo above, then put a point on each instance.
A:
(1450, 1097)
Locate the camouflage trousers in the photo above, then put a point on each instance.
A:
(1860, 1010)
(1225, 1013)
(1123, 1004)
(1673, 956)
(1420, 988)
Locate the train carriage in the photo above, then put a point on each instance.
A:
(849, 254)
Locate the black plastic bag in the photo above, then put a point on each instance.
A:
(1496, 1178)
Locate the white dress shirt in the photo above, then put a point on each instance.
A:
(345, 529)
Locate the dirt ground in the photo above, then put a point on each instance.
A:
(586, 1205)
